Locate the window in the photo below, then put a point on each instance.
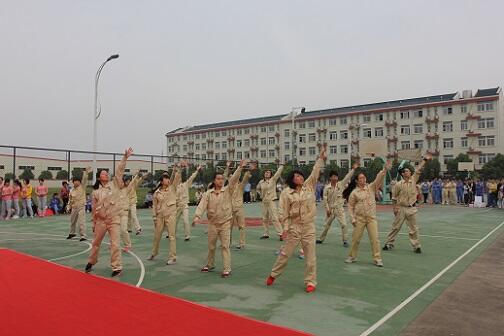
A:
(238, 143)
(263, 141)
(184, 148)
(343, 134)
(378, 132)
(239, 155)
(224, 156)
(463, 142)
(332, 122)
(247, 155)
(287, 158)
(418, 128)
(217, 157)
(448, 143)
(203, 136)
(246, 131)
(263, 153)
(405, 145)
(490, 123)
(463, 108)
(302, 125)
(223, 133)
(367, 118)
(344, 149)
(197, 146)
(247, 142)
(271, 141)
(271, 128)
(447, 158)
(197, 136)
(463, 125)
(418, 114)
(184, 137)
(217, 145)
(486, 123)
(344, 163)
(447, 110)
(404, 115)
(333, 135)
(271, 153)
(333, 149)
(263, 129)
(239, 131)
(484, 158)
(302, 138)
(366, 132)
(286, 133)
(487, 106)
(203, 157)
(405, 129)
(311, 124)
(203, 146)
(447, 126)
(343, 121)
(197, 156)
(286, 145)
(486, 141)
(302, 151)
(54, 168)
(418, 144)
(312, 137)
(379, 117)
(311, 151)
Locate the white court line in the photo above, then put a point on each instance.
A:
(430, 236)
(426, 285)
(54, 259)
(142, 266)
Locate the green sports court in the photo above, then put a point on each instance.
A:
(355, 299)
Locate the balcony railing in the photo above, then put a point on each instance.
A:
(431, 136)
(473, 134)
(433, 119)
(473, 151)
(391, 123)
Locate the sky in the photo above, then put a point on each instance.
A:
(191, 62)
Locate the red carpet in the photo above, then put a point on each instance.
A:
(41, 298)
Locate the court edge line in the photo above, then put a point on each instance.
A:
(431, 236)
(394, 311)
(54, 259)
(142, 266)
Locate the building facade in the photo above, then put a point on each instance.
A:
(443, 125)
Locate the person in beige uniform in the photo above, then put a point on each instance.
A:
(128, 186)
(106, 210)
(452, 192)
(404, 198)
(362, 210)
(164, 211)
(133, 200)
(298, 223)
(183, 202)
(446, 192)
(266, 188)
(333, 204)
(77, 205)
(238, 219)
(217, 202)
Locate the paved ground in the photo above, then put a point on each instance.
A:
(472, 305)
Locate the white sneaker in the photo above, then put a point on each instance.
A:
(378, 263)
(350, 260)
(171, 262)
(15, 217)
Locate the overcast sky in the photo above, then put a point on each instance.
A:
(191, 62)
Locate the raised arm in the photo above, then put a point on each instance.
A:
(233, 181)
(226, 171)
(84, 180)
(380, 176)
(121, 166)
(278, 173)
(349, 175)
(202, 206)
(191, 179)
(418, 171)
(311, 181)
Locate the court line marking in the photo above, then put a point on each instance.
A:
(54, 259)
(394, 311)
(142, 266)
(431, 236)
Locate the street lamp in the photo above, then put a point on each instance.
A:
(97, 113)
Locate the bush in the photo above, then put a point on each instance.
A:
(62, 175)
(27, 174)
(46, 175)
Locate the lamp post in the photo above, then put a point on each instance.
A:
(97, 113)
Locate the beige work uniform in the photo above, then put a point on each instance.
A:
(452, 193)
(77, 207)
(182, 203)
(125, 206)
(164, 209)
(107, 216)
(298, 219)
(133, 200)
(218, 206)
(333, 204)
(404, 195)
(362, 210)
(445, 193)
(238, 219)
(267, 190)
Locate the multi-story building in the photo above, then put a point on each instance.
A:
(444, 125)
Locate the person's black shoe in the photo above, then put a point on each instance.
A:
(116, 273)
(319, 241)
(418, 250)
(264, 237)
(345, 243)
(187, 239)
(83, 239)
(89, 268)
(70, 236)
(139, 232)
(167, 237)
(387, 247)
(129, 231)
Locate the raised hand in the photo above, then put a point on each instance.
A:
(243, 163)
(253, 166)
(323, 153)
(89, 170)
(356, 165)
(199, 168)
(428, 156)
(388, 165)
(128, 152)
(228, 164)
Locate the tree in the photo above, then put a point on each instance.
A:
(46, 175)
(330, 168)
(26, 174)
(432, 170)
(77, 173)
(9, 176)
(373, 169)
(452, 166)
(493, 169)
(62, 175)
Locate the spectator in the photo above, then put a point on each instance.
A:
(492, 194)
(460, 192)
(148, 200)
(16, 189)
(88, 203)
(41, 190)
(55, 204)
(26, 199)
(6, 200)
(246, 192)
(425, 186)
(64, 194)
